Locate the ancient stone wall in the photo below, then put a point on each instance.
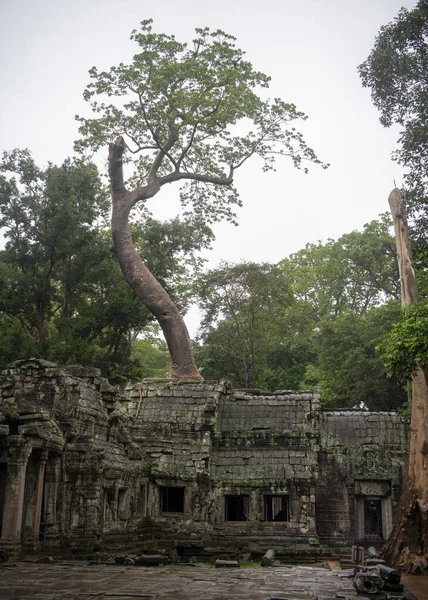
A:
(83, 465)
(63, 457)
(267, 450)
(175, 425)
(359, 446)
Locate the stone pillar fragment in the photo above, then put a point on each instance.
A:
(39, 497)
(51, 492)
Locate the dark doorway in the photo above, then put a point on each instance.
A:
(109, 507)
(373, 517)
(237, 508)
(277, 508)
(172, 499)
(141, 506)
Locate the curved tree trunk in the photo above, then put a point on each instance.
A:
(407, 546)
(145, 285)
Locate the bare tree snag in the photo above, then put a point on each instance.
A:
(138, 276)
(409, 288)
(407, 546)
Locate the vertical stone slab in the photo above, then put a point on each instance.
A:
(387, 518)
(39, 498)
(14, 497)
(51, 491)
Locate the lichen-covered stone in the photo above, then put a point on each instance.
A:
(87, 465)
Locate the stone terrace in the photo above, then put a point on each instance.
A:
(31, 581)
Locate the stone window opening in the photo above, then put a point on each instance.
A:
(237, 508)
(111, 497)
(277, 508)
(171, 499)
(109, 504)
(13, 425)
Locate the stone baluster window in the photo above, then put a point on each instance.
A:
(277, 508)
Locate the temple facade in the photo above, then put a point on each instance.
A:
(198, 467)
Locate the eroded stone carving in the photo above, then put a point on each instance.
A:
(85, 466)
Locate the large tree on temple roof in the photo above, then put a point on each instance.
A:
(187, 114)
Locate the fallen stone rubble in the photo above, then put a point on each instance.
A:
(375, 577)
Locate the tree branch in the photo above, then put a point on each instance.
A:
(177, 176)
(189, 145)
(145, 192)
(163, 150)
(139, 147)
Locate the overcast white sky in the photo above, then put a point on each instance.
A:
(311, 49)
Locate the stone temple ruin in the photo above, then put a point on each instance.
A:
(196, 469)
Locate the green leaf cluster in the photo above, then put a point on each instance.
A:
(396, 71)
(62, 294)
(354, 273)
(242, 306)
(350, 373)
(314, 319)
(192, 113)
(405, 347)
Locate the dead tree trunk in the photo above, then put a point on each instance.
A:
(407, 546)
(145, 285)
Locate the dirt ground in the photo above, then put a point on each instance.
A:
(417, 585)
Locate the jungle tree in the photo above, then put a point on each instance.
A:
(188, 114)
(352, 274)
(405, 352)
(243, 306)
(313, 319)
(49, 221)
(62, 295)
(396, 71)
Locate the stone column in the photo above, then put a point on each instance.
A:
(39, 497)
(14, 497)
(51, 491)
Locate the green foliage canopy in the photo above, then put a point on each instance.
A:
(242, 307)
(396, 71)
(62, 295)
(354, 273)
(191, 113)
(49, 219)
(349, 371)
(314, 319)
(405, 347)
